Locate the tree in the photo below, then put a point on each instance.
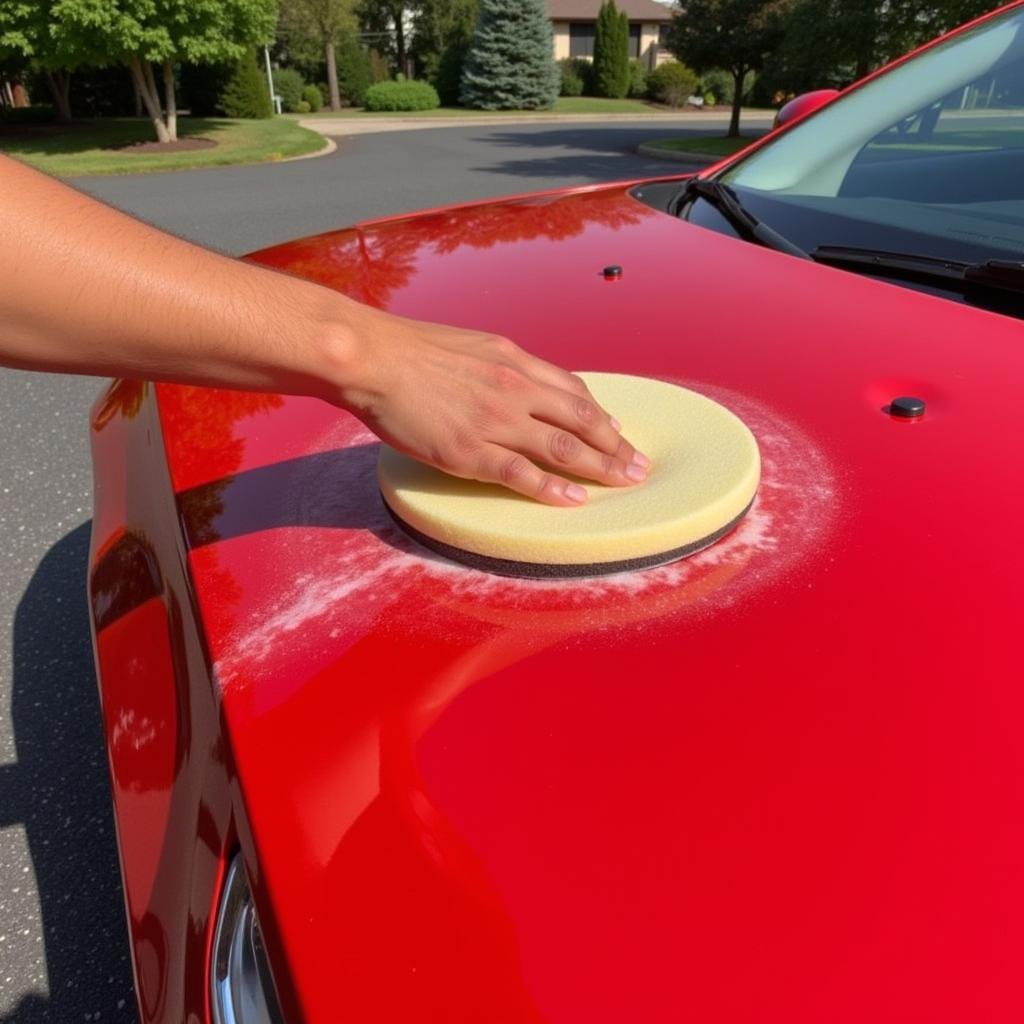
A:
(387, 22)
(444, 30)
(25, 32)
(140, 33)
(313, 29)
(439, 23)
(510, 63)
(611, 52)
(353, 69)
(733, 34)
(836, 42)
(246, 93)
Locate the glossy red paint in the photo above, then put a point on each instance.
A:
(777, 782)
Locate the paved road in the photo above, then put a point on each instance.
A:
(62, 937)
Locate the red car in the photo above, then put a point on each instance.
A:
(778, 781)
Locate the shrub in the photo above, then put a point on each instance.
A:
(577, 67)
(354, 74)
(302, 107)
(637, 79)
(246, 93)
(288, 85)
(720, 83)
(709, 99)
(611, 52)
(402, 96)
(572, 80)
(509, 65)
(671, 83)
(38, 113)
(312, 96)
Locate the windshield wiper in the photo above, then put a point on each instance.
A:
(999, 275)
(728, 204)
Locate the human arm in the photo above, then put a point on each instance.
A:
(88, 289)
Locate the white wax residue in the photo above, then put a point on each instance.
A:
(370, 572)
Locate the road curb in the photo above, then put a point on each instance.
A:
(676, 156)
(329, 147)
(341, 127)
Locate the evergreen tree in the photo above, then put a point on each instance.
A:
(510, 65)
(611, 52)
(246, 94)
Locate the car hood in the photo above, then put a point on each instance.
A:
(777, 781)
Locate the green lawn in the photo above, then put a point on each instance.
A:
(91, 147)
(711, 146)
(563, 105)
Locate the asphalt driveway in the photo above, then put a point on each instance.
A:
(63, 951)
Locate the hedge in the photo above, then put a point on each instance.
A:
(402, 96)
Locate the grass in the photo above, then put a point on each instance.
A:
(563, 105)
(91, 147)
(708, 145)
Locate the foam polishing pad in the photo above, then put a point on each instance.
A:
(704, 475)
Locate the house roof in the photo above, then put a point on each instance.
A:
(586, 10)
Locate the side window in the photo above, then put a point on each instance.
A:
(634, 40)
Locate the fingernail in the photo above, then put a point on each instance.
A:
(616, 425)
(576, 493)
(635, 472)
(641, 460)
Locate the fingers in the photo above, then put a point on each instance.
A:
(563, 380)
(581, 415)
(564, 451)
(515, 471)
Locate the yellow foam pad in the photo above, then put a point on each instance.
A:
(704, 475)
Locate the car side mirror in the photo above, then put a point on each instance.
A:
(804, 104)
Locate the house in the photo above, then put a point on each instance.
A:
(574, 20)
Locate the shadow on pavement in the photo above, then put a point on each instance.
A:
(595, 154)
(58, 791)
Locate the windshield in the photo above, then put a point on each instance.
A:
(928, 158)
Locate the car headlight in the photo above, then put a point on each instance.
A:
(242, 989)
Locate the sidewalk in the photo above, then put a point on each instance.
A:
(360, 125)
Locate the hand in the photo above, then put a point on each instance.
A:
(477, 406)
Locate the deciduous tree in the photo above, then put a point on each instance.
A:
(141, 33)
(733, 34)
(25, 31)
(316, 27)
(388, 23)
(443, 31)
